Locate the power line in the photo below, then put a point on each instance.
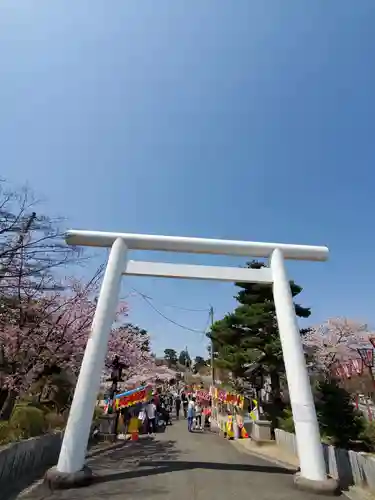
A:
(185, 308)
(147, 300)
(170, 305)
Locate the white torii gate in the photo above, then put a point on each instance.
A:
(71, 461)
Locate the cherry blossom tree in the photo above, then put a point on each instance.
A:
(336, 343)
(32, 246)
(43, 333)
(127, 344)
(152, 374)
(45, 320)
(49, 334)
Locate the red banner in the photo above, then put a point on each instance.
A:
(132, 399)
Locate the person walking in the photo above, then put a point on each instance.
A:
(178, 406)
(207, 416)
(198, 415)
(190, 414)
(151, 417)
(185, 403)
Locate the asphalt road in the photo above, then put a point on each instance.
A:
(178, 465)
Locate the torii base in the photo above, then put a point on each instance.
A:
(57, 480)
(328, 487)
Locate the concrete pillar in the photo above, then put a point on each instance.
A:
(73, 449)
(310, 450)
(261, 431)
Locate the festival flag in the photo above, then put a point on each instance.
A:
(345, 368)
(358, 366)
(367, 356)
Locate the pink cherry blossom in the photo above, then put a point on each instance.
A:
(152, 374)
(52, 330)
(335, 342)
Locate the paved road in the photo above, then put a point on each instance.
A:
(181, 466)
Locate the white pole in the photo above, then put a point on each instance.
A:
(310, 450)
(73, 449)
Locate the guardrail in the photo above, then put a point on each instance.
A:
(23, 462)
(347, 466)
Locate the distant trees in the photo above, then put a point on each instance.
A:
(199, 363)
(170, 355)
(184, 358)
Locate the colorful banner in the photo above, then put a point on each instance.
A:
(254, 414)
(228, 397)
(108, 406)
(202, 395)
(131, 398)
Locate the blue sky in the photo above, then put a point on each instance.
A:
(243, 120)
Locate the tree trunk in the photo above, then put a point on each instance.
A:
(275, 386)
(277, 405)
(8, 406)
(3, 397)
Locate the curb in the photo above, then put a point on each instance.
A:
(353, 493)
(357, 493)
(263, 456)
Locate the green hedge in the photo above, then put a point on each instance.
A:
(29, 420)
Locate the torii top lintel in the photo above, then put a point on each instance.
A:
(196, 245)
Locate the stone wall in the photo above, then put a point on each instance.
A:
(22, 463)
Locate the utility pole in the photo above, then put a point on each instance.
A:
(212, 348)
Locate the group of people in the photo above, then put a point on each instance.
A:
(194, 415)
(193, 411)
(158, 411)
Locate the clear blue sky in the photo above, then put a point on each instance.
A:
(216, 118)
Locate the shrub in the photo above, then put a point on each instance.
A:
(7, 434)
(286, 422)
(340, 423)
(27, 421)
(35, 403)
(368, 435)
(98, 411)
(55, 421)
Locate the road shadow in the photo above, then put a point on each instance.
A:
(125, 456)
(128, 457)
(154, 467)
(101, 448)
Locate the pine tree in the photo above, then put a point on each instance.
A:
(184, 358)
(251, 333)
(170, 355)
